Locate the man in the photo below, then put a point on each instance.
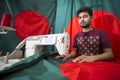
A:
(90, 44)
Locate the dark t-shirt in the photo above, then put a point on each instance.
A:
(92, 42)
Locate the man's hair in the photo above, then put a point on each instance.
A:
(85, 9)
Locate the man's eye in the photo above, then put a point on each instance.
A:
(85, 16)
(79, 17)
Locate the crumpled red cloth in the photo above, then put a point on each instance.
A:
(90, 71)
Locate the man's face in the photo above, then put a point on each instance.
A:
(84, 19)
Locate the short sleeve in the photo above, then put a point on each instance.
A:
(74, 42)
(105, 40)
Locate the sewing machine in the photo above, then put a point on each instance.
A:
(61, 42)
(34, 44)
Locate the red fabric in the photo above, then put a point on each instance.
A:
(90, 71)
(101, 20)
(6, 19)
(30, 23)
(111, 25)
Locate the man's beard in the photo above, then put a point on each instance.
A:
(85, 26)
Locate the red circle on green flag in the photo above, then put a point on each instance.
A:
(30, 23)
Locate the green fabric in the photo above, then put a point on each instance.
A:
(8, 42)
(36, 67)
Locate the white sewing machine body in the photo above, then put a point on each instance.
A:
(33, 44)
(61, 42)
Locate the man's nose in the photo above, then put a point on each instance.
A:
(82, 19)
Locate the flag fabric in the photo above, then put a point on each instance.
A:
(61, 14)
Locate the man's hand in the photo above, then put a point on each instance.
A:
(84, 58)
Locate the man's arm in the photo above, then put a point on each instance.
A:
(72, 54)
(106, 55)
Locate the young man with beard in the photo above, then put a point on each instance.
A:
(90, 44)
